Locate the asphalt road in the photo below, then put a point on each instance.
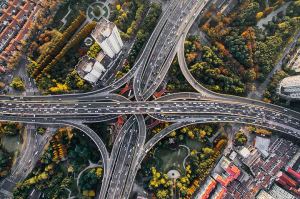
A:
(121, 166)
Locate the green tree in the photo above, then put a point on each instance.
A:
(250, 75)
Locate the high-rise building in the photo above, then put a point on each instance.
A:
(90, 69)
(106, 34)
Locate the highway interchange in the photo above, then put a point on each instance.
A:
(130, 147)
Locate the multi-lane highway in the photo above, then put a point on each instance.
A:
(53, 111)
(121, 165)
(155, 66)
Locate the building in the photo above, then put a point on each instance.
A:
(244, 152)
(293, 173)
(262, 144)
(206, 189)
(219, 193)
(264, 195)
(285, 180)
(232, 155)
(279, 193)
(249, 155)
(232, 172)
(289, 88)
(15, 20)
(258, 173)
(294, 163)
(90, 69)
(106, 34)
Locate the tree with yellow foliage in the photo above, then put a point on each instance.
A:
(263, 132)
(173, 134)
(59, 88)
(162, 194)
(17, 83)
(202, 133)
(259, 15)
(99, 171)
(191, 135)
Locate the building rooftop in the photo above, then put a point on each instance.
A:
(293, 81)
(207, 188)
(15, 20)
(262, 144)
(278, 192)
(232, 155)
(244, 152)
(219, 193)
(85, 65)
(103, 29)
(264, 195)
(89, 69)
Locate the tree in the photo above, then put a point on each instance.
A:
(294, 9)
(57, 44)
(240, 138)
(14, 60)
(247, 17)
(97, 11)
(5, 161)
(259, 15)
(10, 128)
(191, 135)
(250, 75)
(210, 57)
(76, 39)
(207, 151)
(75, 82)
(162, 194)
(17, 84)
(263, 132)
(221, 144)
(237, 46)
(94, 50)
(119, 75)
(59, 88)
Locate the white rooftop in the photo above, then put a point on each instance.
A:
(292, 81)
(88, 67)
(262, 144)
(233, 155)
(244, 152)
(103, 29)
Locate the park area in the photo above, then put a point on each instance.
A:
(187, 155)
(70, 9)
(168, 158)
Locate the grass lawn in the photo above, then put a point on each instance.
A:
(167, 158)
(193, 144)
(170, 159)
